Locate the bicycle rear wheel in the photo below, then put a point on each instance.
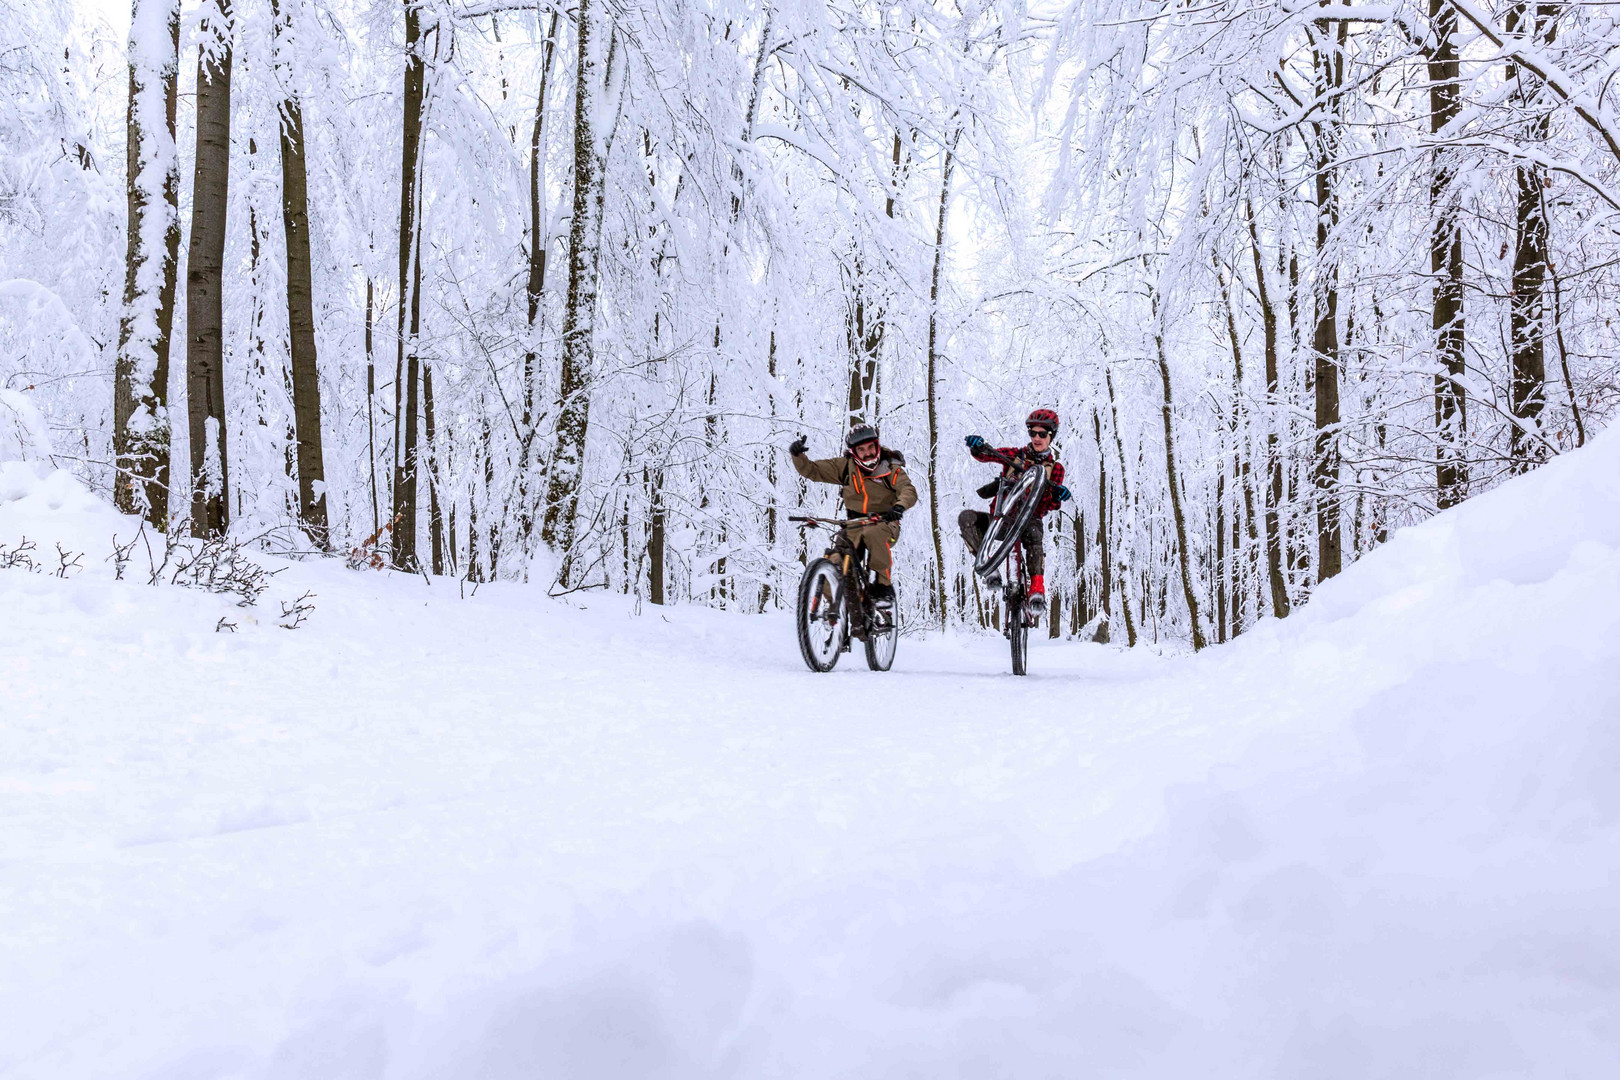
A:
(1014, 507)
(1018, 633)
(822, 620)
(882, 637)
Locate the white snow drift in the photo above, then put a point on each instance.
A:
(500, 836)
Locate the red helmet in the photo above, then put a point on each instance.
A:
(1044, 417)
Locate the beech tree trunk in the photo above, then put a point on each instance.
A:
(1527, 392)
(141, 425)
(435, 512)
(1329, 62)
(1278, 585)
(371, 394)
(306, 382)
(598, 79)
(205, 274)
(1446, 264)
(654, 482)
(1104, 557)
(1172, 477)
(933, 371)
(406, 364)
(535, 290)
(1129, 544)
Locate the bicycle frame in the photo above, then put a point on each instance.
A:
(850, 560)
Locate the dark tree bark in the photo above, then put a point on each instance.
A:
(435, 513)
(1173, 481)
(205, 275)
(1329, 62)
(306, 382)
(654, 483)
(1105, 595)
(933, 369)
(141, 424)
(535, 290)
(1527, 392)
(1446, 264)
(1280, 605)
(371, 394)
(406, 364)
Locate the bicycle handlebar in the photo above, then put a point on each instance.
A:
(831, 523)
(997, 455)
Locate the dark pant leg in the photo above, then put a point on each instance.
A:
(1034, 540)
(972, 524)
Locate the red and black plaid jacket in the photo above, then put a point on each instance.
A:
(1026, 457)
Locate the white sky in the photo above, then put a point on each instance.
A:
(114, 12)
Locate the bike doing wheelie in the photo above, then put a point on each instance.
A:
(836, 602)
(1007, 545)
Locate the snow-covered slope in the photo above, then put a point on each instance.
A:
(500, 836)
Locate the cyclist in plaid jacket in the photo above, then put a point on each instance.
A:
(1042, 425)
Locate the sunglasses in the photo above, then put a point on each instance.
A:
(1039, 433)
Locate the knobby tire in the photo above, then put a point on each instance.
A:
(1018, 634)
(821, 593)
(1024, 495)
(880, 647)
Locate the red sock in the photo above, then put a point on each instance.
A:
(1037, 584)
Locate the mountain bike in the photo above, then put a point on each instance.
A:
(1000, 554)
(835, 604)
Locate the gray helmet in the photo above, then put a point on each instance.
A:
(860, 433)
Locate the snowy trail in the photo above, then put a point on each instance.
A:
(502, 836)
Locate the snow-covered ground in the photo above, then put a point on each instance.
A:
(502, 836)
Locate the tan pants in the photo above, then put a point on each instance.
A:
(878, 540)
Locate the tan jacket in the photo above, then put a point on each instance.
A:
(864, 492)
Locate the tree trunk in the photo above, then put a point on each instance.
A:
(1329, 66)
(406, 374)
(1527, 393)
(1105, 595)
(1172, 477)
(306, 382)
(1122, 553)
(371, 394)
(654, 482)
(539, 247)
(1446, 264)
(435, 515)
(205, 275)
(597, 78)
(141, 426)
(933, 372)
(1280, 605)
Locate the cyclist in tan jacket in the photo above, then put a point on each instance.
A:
(874, 482)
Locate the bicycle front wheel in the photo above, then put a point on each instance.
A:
(823, 624)
(1018, 634)
(882, 637)
(1014, 507)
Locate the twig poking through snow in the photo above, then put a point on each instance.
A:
(297, 612)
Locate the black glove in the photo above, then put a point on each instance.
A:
(893, 513)
(1061, 493)
(797, 446)
(975, 441)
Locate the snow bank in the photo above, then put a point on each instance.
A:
(501, 837)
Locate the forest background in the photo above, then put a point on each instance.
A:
(517, 290)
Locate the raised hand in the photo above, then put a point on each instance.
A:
(1061, 493)
(797, 446)
(974, 442)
